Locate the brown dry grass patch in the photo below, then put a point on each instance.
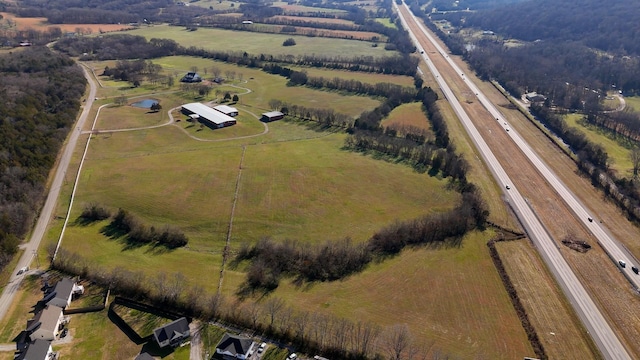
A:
(315, 19)
(41, 24)
(558, 328)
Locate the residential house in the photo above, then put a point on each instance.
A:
(38, 350)
(173, 333)
(61, 294)
(46, 324)
(233, 347)
(191, 77)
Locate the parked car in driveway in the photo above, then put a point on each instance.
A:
(293, 356)
(262, 347)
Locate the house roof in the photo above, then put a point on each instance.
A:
(208, 113)
(37, 350)
(47, 319)
(273, 114)
(144, 356)
(234, 344)
(174, 330)
(225, 109)
(63, 290)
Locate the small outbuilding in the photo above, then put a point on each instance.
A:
(271, 116)
(173, 333)
(227, 110)
(234, 347)
(206, 114)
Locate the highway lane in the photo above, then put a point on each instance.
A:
(601, 332)
(31, 248)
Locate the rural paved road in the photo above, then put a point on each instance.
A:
(602, 334)
(31, 247)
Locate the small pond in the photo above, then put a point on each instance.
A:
(145, 104)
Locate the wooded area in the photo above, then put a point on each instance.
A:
(41, 93)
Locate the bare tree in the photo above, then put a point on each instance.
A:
(364, 337)
(634, 155)
(301, 321)
(397, 340)
(284, 320)
(275, 104)
(194, 69)
(273, 306)
(254, 312)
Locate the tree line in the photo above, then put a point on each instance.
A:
(124, 46)
(134, 71)
(308, 332)
(40, 93)
(125, 224)
(108, 11)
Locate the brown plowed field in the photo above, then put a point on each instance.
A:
(608, 287)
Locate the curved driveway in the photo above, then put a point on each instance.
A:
(601, 332)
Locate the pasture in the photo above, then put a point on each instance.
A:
(618, 154)
(451, 298)
(294, 182)
(367, 78)
(258, 43)
(408, 115)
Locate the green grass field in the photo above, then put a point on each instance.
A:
(367, 78)
(408, 115)
(294, 182)
(618, 154)
(451, 298)
(633, 102)
(259, 43)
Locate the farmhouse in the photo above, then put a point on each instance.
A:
(207, 114)
(271, 116)
(227, 110)
(191, 77)
(234, 347)
(534, 97)
(46, 324)
(173, 333)
(38, 350)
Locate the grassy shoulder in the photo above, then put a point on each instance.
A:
(557, 326)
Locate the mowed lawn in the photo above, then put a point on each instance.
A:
(259, 43)
(451, 298)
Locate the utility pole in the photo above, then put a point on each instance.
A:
(35, 254)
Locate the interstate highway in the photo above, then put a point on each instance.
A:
(601, 332)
